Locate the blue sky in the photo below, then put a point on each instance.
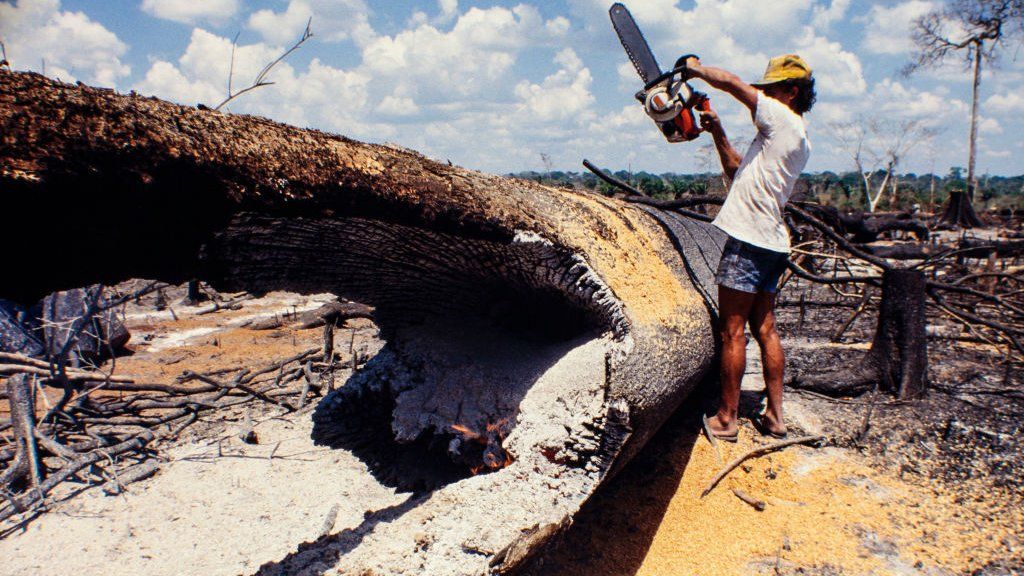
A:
(494, 85)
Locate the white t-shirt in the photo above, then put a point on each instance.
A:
(764, 181)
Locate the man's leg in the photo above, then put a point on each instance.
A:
(773, 359)
(734, 307)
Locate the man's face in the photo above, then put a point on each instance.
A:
(779, 91)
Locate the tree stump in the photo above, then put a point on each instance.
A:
(897, 361)
(899, 351)
(960, 212)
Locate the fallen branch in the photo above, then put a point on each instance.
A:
(130, 475)
(754, 503)
(24, 502)
(612, 180)
(757, 452)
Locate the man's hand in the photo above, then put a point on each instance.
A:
(693, 68)
(730, 158)
(710, 122)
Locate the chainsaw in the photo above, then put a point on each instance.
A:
(667, 97)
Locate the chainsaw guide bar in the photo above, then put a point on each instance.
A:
(667, 100)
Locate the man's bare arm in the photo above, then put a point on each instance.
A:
(724, 81)
(726, 153)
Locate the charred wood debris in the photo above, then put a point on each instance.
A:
(111, 441)
(969, 289)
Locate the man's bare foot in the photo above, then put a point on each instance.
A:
(728, 432)
(768, 425)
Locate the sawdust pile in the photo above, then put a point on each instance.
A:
(827, 511)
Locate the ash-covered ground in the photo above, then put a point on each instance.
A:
(929, 487)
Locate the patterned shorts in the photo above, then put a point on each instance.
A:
(748, 268)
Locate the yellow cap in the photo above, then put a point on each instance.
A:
(785, 67)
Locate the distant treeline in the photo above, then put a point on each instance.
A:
(845, 191)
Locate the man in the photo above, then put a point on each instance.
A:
(755, 254)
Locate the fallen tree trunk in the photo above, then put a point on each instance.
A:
(981, 248)
(536, 334)
(865, 227)
(907, 251)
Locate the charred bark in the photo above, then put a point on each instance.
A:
(900, 348)
(906, 251)
(25, 469)
(558, 329)
(864, 227)
(897, 361)
(981, 248)
(959, 212)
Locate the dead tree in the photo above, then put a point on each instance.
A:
(575, 309)
(975, 30)
(897, 360)
(876, 148)
(899, 351)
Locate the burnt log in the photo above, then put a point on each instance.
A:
(865, 227)
(16, 333)
(78, 323)
(26, 468)
(906, 251)
(981, 248)
(898, 358)
(537, 336)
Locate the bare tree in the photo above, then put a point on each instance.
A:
(545, 160)
(876, 148)
(974, 30)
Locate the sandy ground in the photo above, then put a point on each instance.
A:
(219, 506)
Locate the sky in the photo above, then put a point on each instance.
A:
(507, 86)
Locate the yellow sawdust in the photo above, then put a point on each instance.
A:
(625, 247)
(827, 508)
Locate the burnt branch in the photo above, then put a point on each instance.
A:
(261, 78)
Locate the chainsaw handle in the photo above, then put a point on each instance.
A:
(680, 68)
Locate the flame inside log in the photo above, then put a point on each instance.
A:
(481, 451)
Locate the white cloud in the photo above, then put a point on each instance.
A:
(191, 11)
(1009, 102)
(887, 30)
(837, 72)
(825, 16)
(332, 20)
(73, 46)
(398, 106)
(165, 80)
(561, 96)
(473, 58)
(990, 126)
